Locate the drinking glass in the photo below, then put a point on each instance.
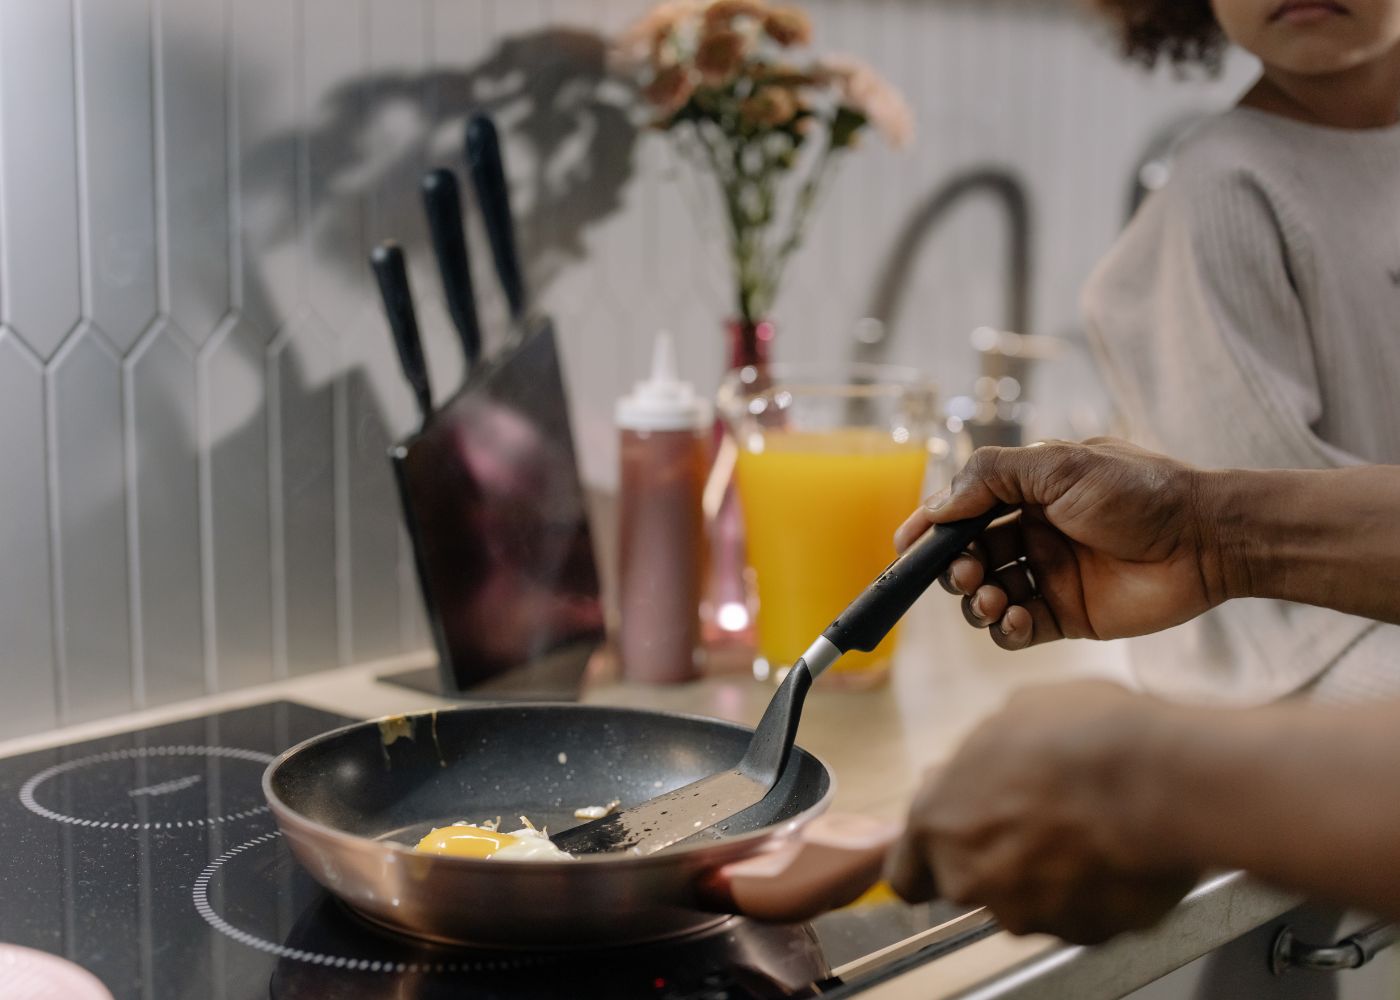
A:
(831, 459)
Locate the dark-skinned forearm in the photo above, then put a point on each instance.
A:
(1325, 537)
(1303, 796)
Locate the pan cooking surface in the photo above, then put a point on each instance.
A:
(149, 859)
(398, 779)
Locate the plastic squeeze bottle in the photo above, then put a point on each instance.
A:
(665, 431)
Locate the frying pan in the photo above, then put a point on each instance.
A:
(351, 803)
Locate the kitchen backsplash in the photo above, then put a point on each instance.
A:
(197, 390)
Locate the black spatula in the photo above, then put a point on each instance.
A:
(660, 822)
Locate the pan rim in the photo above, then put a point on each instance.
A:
(729, 846)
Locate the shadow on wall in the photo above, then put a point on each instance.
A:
(301, 390)
(569, 140)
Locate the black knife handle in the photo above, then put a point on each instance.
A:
(493, 197)
(443, 206)
(869, 618)
(387, 261)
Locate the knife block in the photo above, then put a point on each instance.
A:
(497, 515)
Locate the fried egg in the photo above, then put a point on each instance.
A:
(597, 812)
(467, 840)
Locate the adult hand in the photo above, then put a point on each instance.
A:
(1047, 816)
(1110, 541)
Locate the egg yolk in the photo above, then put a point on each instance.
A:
(465, 841)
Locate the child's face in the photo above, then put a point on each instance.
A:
(1311, 37)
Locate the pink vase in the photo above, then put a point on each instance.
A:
(728, 608)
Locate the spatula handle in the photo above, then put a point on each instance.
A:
(869, 618)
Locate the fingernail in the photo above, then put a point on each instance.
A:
(938, 500)
(977, 607)
(1005, 625)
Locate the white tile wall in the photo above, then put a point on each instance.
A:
(196, 390)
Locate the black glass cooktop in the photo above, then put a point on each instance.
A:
(150, 859)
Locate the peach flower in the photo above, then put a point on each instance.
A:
(859, 87)
(719, 56)
(643, 38)
(721, 12)
(788, 26)
(669, 89)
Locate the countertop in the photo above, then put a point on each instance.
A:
(946, 678)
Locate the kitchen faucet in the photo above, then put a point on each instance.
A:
(1009, 191)
(1003, 358)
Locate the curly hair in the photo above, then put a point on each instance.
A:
(1182, 31)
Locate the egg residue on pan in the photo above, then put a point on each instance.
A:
(467, 840)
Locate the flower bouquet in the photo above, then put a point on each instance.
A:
(721, 76)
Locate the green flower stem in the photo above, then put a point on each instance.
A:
(748, 170)
(801, 215)
(744, 237)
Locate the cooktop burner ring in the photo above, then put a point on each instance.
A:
(200, 897)
(29, 801)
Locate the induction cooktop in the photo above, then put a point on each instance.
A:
(150, 859)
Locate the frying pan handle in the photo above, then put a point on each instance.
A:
(827, 864)
(869, 618)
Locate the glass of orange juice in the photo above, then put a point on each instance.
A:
(831, 459)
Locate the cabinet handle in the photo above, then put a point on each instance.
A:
(1351, 952)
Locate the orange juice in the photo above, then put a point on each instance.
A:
(820, 510)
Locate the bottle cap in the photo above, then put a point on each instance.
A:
(663, 402)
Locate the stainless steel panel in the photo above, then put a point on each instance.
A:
(265, 58)
(305, 498)
(119, 173)
(337, 276)
(39, 161)
(238, 510)
(195, 148)
(166, 494)
(26, 654)
(95, 637)
(1222, 909)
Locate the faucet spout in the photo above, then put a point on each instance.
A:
(1009, 192)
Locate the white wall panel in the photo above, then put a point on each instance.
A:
(221, 169)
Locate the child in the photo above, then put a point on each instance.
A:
(1250, 313)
